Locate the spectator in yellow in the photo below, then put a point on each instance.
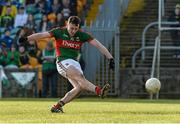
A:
(24, 58)
(13, 9)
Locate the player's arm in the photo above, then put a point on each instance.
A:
(38, 36)
(104, 51)
(101, 48)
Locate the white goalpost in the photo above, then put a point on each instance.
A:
(157, 48)
(0, 83)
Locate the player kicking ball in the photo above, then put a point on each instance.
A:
(68, 43)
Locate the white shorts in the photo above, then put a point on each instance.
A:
(63, 65)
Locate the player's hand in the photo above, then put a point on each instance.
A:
(23, 39)
(111, 64)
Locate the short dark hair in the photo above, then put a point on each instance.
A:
(74, 20)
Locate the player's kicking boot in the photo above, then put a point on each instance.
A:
(57, 108)
(104, 90)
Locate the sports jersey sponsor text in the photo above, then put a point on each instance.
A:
(71, 44)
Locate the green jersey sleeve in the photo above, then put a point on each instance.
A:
(55, 32)
(86, 37)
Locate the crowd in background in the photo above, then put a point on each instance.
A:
(24, 17)
(20, 18)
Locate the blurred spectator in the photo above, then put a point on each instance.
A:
(20, 33)
(56, 6)
(31, 9)
(82, 9)
(175, 17)
(9, 7)
(51, 16)
(7, 39)
(73, 5)
(29, 2)
(43, 24)
(47, 22)
(80, 5)
(3, 3)
(23, 58)
(49, 71)
(52, 20)
(43, 7)
(17, 3)
(31, 22)
(60, 21)
(12, 58)
(7, 20)
(33, 50)
(52, 24)
(66, 9)
(21, 17)
(3, 54)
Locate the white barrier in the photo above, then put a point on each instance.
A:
(0, 83)
(2, 76)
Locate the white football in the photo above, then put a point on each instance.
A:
(153, 85)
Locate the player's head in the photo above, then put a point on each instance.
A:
(73, 25)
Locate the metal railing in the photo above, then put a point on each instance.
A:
(143, 37)
(133, 64)
(157, 48)
(143, 41)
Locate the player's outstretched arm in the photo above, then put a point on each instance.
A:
(104, 51)
(101, 48)
(38, 36)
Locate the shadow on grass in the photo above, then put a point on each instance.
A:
(152, 112)
(160, 101)
(131, 112)
(96, 99)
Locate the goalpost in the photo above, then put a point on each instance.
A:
(157, 47)
(0, 83)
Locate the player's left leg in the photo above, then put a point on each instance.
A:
(68, 97)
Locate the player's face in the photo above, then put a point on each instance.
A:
(72, 29)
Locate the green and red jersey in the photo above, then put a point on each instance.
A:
(68, 47)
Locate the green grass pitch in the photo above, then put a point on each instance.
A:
(91, 110)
